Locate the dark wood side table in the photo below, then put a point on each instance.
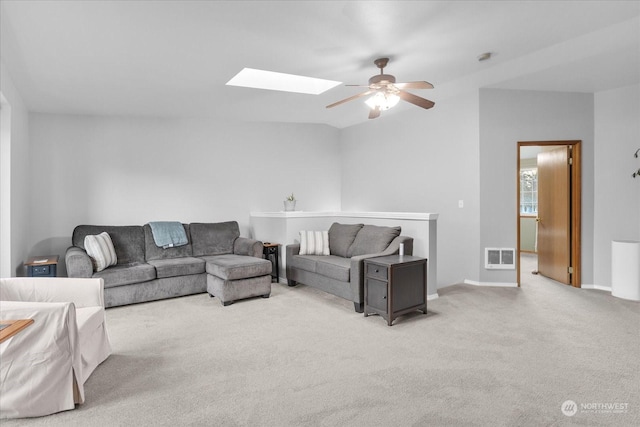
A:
(271, 252)
(395, 285)
(42, 266)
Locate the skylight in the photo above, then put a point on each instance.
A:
(270, 80)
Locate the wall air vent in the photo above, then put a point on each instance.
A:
(500, 258)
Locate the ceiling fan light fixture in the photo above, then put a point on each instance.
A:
(383, 101)
(386, 93)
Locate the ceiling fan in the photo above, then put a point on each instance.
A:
(386, 92)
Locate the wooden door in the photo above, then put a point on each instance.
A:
(554, 214)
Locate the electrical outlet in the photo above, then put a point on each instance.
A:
(461, 203)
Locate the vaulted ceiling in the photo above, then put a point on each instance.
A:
(173, 58)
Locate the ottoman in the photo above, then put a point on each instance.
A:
(233, 277)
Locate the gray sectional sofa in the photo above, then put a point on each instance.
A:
(215, 260)
(342, 272)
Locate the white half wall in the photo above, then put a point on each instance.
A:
(118, 171)
(617, 194)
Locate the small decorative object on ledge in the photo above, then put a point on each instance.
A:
(290, 203)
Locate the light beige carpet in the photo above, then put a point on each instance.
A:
(480, 357)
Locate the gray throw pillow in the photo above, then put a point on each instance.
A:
(372, 239)
(341, 236)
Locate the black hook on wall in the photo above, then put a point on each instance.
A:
(636, 173)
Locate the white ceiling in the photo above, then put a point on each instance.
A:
(173, 58)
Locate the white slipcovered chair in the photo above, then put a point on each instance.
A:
(43, 368)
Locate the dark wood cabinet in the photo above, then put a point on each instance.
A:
(271, 252)
(395, 285)
(44, 266)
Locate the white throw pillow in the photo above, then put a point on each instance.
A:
(314, 243)
(100, 249)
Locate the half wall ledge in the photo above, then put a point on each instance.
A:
(284, 228)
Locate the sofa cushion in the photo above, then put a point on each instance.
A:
(305, 262)
(213, 238)
(232, 267)
(127, 274)
(335, 267)
(128, 240)
(314, 243)
(100, 250)
(153, 252)
(178, 266)
(341, 237)
(372, 239)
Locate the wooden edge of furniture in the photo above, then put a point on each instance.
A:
(14, 327)
(46, 260)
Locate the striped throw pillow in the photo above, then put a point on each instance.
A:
(314, 243)
(100, 249)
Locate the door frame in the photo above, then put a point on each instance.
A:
(576, 205)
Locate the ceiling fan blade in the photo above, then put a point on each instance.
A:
(414, 85)
(415, 100)
(374, 113)
(351, 98)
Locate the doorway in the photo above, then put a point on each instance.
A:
(558, 194)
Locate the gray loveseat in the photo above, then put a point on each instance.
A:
(342, 272)
(215, 260)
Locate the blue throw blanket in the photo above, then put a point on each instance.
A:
(168, 234)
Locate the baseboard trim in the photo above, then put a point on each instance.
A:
(495, 284)
(597, 287)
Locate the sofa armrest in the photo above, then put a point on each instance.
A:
(79, 291)
(357, 275)
(357, 263)
(246, 246)
(394, 246)
(44, 363)
(290, 251)
(78, 263)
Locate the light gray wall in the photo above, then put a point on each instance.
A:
(15, 206)
(509, 116)
(115, 170)
(87, 168)
(421, 161)
(528, 233)
(617, 194)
